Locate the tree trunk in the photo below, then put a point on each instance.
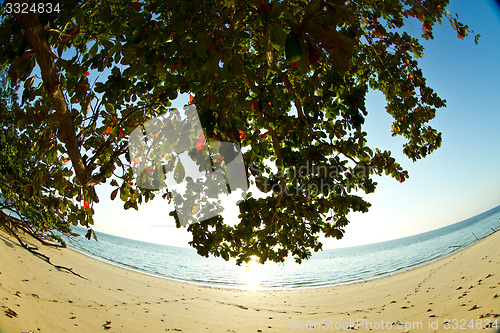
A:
(43, 54)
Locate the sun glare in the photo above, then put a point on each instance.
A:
(252, 274)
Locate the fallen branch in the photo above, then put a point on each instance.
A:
(24, 226)
(34, 249)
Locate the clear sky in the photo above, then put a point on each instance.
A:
(458, 181)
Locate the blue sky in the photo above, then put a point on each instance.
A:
(459, 180)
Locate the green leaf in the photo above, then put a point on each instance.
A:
(276, 10)
(207, 119)
(72, 219)
(179, 172)
(170, 165)
(303, 62)
(110, 108)
(278, 36)
(124, 193)
(79, 15)
(293, 51)
(62, 80)
(93, 50)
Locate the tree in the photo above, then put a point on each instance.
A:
(285, 80)
(27, 194)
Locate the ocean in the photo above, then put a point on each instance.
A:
(329, 267)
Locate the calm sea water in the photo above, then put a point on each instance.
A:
(330, 267)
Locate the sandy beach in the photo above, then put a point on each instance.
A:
(459, 293)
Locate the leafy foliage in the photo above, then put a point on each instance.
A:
(28, 196)
(285, 80)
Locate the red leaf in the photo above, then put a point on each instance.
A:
(377, 33)
(294, 64)
(122, 133)
(242, 135)
(135, 160)
(425, 27)
(200, 142)
(313, 55)
(401, 178)
(86, 204)
(108, 130)
(264, 135)
(174, 66)
(136, 6)
(191, 99)
(86, 74)
(252, 106)
(148, 169)
(82, 86)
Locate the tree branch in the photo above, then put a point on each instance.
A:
(43, 54)
(370, 42)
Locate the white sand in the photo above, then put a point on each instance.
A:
(49, 300)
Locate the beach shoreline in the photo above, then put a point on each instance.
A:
(223, 285)
(460, 288)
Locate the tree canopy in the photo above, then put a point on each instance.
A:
(286, 80)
